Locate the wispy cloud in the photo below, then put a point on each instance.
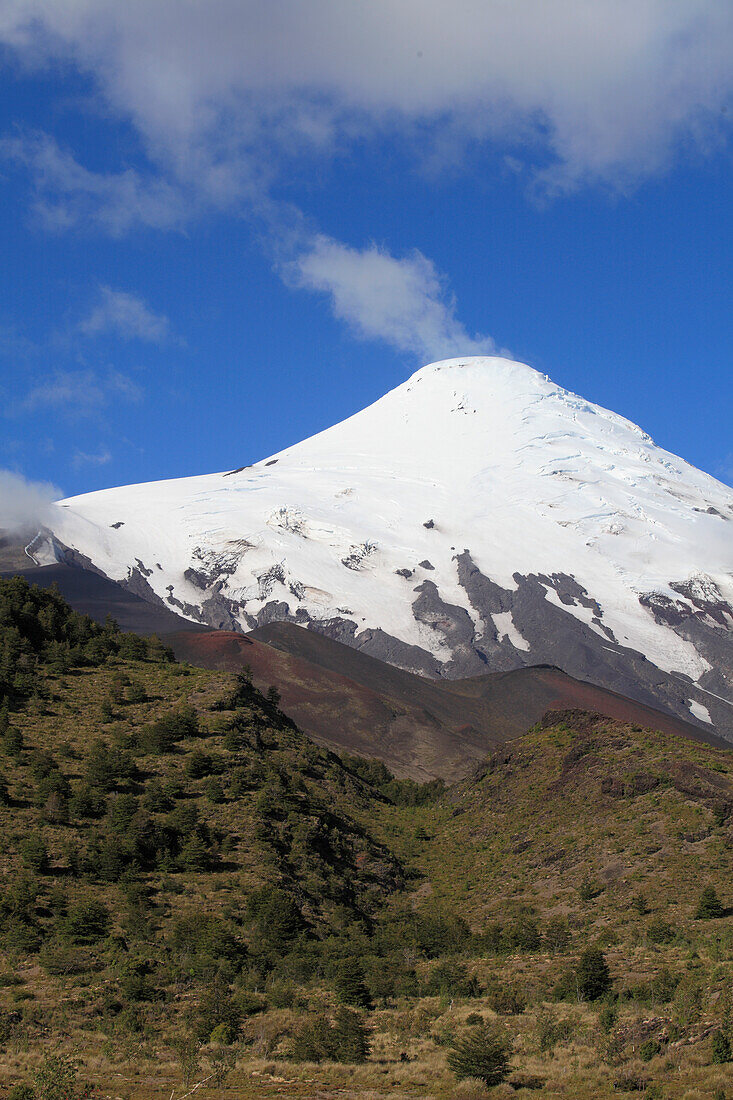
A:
(125, 315)
(66, 195)
(84, 458)
(24, 504)
(400, 301)
(725, 469)
(79, 392)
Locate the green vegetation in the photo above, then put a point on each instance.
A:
(592, 975)
(709, 906)
(191, 890)
(483, 1052)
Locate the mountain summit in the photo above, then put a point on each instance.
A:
(476, 517)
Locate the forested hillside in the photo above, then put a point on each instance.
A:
(192, 891)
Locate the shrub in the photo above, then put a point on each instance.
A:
(391, 976)
(87, 920)
(721, 1049)
(709, 907)
(136, 986)
(34, 853)
(550, 1030)
(198, 764)
(688, 1001)
(630, 1081)
(21, 1091)
(608, 1018)
(57, 1079)
(557, 936)
(162, 736)
(274, 914)
(659, 931)
(451, 979)
(507, 1000)
(205, 943)
(492, 939)
(589, 890)
(187, 1050)
(664, 984)
(350, 984)
(523, 935)
(12, 742)
(217, 1012)
(649, 1049)
(8, 1021)
(59, 957)
(483, 1052)
(439, 933)
(592, 974)
(344, 1039)
(282, 994)
(640, 903)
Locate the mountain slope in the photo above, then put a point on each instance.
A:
(419, 728)
(477, 517)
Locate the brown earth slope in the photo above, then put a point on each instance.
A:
(420, 728)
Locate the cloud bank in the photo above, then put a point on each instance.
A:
(24, 505)
(222, 92)
(399, 301)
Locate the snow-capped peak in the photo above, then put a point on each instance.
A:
(378, 529)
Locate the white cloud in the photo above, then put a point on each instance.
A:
(79, 392)
(125, 315)
(24, 504)
(221, 92)
(399, 301)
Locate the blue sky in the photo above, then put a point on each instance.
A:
(227, 226)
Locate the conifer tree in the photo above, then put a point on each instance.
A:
(483, 1053)
(592, 974)
(350, 985)
(709, 906)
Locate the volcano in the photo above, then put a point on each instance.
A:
(477, 518)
